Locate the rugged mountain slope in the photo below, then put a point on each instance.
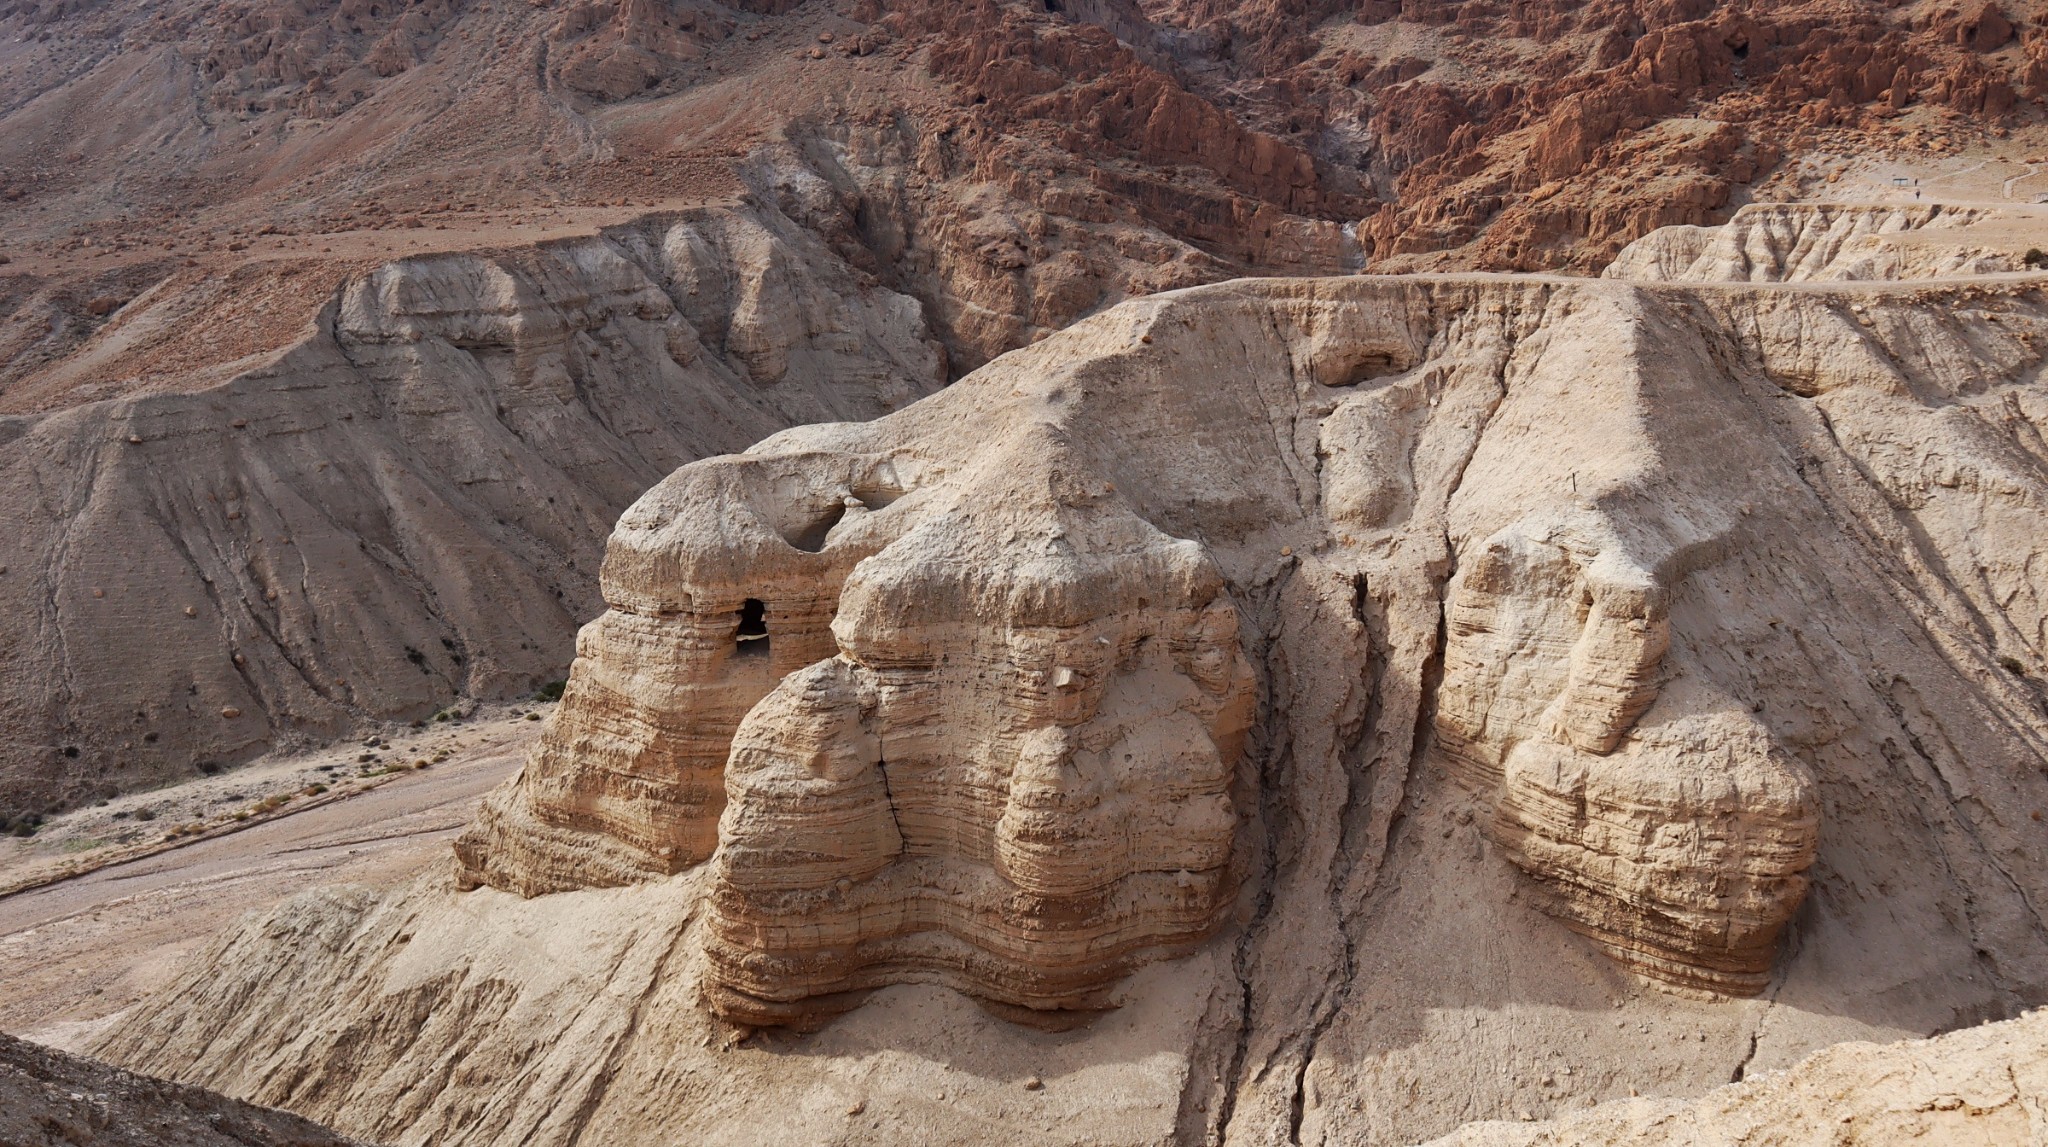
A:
(184, 186)
(1647, 693)
(396, 509)
(49, 1098)
(200, 205)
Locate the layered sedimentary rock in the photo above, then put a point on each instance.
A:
(718, 589)
(1008, 764)
(1012, 167)
(1681, 847)
(1016, 778)
(890, 802)
(1581, 638)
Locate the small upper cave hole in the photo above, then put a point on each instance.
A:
(753, 631)
(810, 538)
(1352, 370)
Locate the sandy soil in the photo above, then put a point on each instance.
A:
(75, 953)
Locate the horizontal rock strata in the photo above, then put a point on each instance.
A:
(1015, 778)
(1806, 242)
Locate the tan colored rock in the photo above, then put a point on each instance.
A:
(1684, 852)
(1598, 633)
(1802, 242)
(1016, 778)
(1012, 772)
(633, 767)
(414, 506)
(1684, 856)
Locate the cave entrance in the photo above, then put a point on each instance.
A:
(753, 631)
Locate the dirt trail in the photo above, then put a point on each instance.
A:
(75, 953)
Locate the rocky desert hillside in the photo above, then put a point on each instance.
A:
(334, 335)
(1117, 571)
(49, 1099)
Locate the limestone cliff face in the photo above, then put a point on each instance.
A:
(1352, 685)
(720, 587)
(1680, 847)
(985, 726)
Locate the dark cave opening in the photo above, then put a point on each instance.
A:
(753, 631)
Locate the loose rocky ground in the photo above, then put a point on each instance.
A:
(1983, 1087)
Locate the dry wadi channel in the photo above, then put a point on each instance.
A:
(82, 938)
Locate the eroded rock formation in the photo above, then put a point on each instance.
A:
(1680, 847)
(1016, 777)
(1574, 633)
(1008, 763)
(929, 735)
